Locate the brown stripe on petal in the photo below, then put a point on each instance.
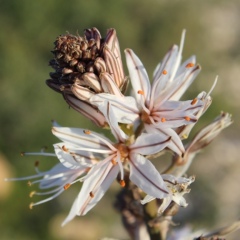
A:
(112, 66)
(152, 145)
(186, 79)
(86, 109)
(149, 180)
(92, 81)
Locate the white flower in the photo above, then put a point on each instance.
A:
(114, 158)
(157, 106)
(205, 136)
(57, 179)
(177, 186)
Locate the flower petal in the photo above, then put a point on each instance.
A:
(124, 109)
(93, 190)
(147, 143)
(146, 176)
(138, 75)
(86, 109)
(108, 84)
(78, 138)
(113, 123)
(72, 158)
(175, 143)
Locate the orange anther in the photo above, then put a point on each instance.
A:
(122, 183)
(140, 92)
(163, 119)
(67, 186)
(31, 206)
(87, 132)
(194, 101)
(187, 118)
(189, 65)
(32, 193)
(64, 149)
(91, 194)
(113, 161)
(29, 183)
(22, 154)
(164, 72)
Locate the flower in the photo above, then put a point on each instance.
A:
(177, 186)
(117, 158)
(205, 136)
(57, 179)
(85, 66)
(157, 106)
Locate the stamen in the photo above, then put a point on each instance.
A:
(113, 161)
(87, 132)
(29, 183)
(91, 194)
(64, 149)
(42, 153)
(31, 206)
(187, 118)
(184, 136)
(67, 186)
(32, 193)
(164, 72)
(194, 101)
(163, 119)
(140, 92)
(189, 65)
(122, 183)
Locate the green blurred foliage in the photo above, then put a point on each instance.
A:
(28, 30)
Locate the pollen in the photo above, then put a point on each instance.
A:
(187, 118)
(87, 132)
(184, 136)
(31, 206)
(122, 183)
(64, 149)
(194, 101)
(163, 119)
(91, 194)
(31, 194)
(113, 161)
(67, 186)
(164, 72)
(140, 92)
(189, 65)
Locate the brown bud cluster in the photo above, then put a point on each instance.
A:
(85, 66)
(74, 56)
(86, 61)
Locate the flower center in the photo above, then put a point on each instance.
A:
(123, 150)
(145, 117)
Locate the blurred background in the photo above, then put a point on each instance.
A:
(28, 30)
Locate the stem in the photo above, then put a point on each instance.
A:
(150, 213)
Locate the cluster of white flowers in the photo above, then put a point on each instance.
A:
(89, 74)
